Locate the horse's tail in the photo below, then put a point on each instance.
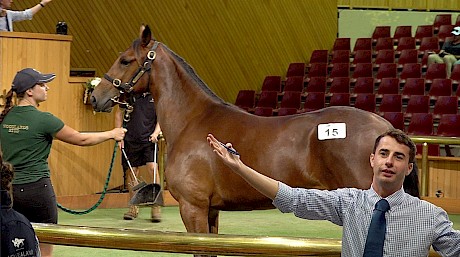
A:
(411, 182)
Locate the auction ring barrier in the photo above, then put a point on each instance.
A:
(186, 243)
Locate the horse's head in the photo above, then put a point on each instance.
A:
(127, 74)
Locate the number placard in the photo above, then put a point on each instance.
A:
(332, 131)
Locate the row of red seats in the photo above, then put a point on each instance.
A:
(391, 85)
(365, 101)
(409, 66)
(407, 55)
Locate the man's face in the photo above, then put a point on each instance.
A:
(390, 164)
(6, 3)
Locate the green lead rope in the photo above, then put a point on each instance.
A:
(103, 192)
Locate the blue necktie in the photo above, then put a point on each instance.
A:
(377, 230)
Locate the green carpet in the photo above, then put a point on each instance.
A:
(259, 223)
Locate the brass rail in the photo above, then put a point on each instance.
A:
(187, 243)
(425, 140)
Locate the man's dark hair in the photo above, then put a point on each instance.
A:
(401, 138)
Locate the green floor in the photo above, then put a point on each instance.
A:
(263, 223)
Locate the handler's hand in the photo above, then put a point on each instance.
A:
(231, 160)
(118, 133)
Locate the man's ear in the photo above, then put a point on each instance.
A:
(411, 167)
(371, 160)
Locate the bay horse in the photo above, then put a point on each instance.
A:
(287, 148)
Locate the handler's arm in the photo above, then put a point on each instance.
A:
(71, 136)
(265, 185)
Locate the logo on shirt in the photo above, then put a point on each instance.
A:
(15, 128)
(18, 242)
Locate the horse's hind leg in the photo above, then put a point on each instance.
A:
(213, 221)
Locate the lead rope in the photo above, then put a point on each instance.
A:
(103, 192)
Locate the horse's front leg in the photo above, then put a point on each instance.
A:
(196, 219)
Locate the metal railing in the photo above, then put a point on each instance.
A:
(186, 243)
(425, 140)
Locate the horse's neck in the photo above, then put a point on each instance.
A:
(180, 100)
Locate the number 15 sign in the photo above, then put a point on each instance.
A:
(332, 131)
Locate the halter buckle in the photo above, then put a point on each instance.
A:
(116, 83)
(152, 55)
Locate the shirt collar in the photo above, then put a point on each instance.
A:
(394, 199)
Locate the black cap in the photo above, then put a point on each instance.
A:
(28, 78)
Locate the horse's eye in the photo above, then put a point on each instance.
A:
(125, 62)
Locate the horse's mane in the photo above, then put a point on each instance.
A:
(190, 71)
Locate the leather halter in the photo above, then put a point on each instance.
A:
(127, 87)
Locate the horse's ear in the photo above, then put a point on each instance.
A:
(146, 36)
(141, 29)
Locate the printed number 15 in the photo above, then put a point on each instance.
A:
(333, 132)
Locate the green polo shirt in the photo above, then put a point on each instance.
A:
(26, 136)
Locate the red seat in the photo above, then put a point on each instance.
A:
(283, 111)
(396, 119)
(445, 32)
(417, 104)
(421, 124)
(340, 85)
(433, 149)
(340, 70)
(341, 44)
(319, 56)
(455, 75)
(317, 70)
(294, 83)
(402, 31)
(411, 70)
(272, 83)
(316, 84)
(362, 56)
(384, 43)
(435, 71)
(362, 44)
(364, 85)
(413, 86)
(340, 99)
(423, 31)
(381, 31)
(441, 19)
(445, 105)
(296, 69)
(449, 125)
(429, 44)
(457, 21)
(268, 99)
(246, 99)
(365, 102)
(263, 111)
(314, 101)
(390, 103)
(406, 43)
(340, 56)
(407, 56)
(440, 87)
(384, 56)
(291, 99)
(362, 70)
(386, 70)
(388, 86)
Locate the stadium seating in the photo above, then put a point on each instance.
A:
(246, 99)
(396, 119)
